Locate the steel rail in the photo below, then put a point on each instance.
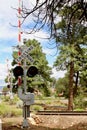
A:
(67, 113)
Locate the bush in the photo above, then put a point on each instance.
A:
(14, 100)
(80, 102)
(19, 104)
(6, 98)
(9, 110)
(36, 108)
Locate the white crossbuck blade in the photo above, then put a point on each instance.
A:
(25, 55)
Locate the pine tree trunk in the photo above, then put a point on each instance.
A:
(76, 84)
(70, 101)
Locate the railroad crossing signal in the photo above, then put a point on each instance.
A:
(31, 72)
(25, 55)
(26, 97)
(18, 71)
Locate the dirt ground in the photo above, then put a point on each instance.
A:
(44, 122)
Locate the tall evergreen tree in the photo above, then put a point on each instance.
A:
(71, 51)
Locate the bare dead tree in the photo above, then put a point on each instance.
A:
(46, 13)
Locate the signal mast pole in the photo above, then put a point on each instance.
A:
(19, 44)
(9, 79)
(8, 72)
(25, 121)
(19, 24)
(19, 36)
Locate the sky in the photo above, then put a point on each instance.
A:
(9, 37)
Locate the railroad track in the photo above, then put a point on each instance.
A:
(71, 113)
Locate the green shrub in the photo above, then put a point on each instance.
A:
(6, 98)
(36, 108)
(14, 100)
(9, 110)
(80, 102)
(19, 104)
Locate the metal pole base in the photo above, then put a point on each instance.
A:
(25, 123)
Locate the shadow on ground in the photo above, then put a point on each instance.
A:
(8, 126)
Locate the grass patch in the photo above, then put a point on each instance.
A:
(9, 110)
(36, 108)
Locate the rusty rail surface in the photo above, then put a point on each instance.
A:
(71, 113)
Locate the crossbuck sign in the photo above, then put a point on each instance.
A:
(25, 55)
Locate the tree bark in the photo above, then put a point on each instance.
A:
(76, 84)
(70, 101)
